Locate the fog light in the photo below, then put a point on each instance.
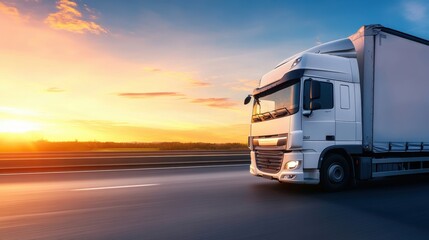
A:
(291, 165)
(289, 176)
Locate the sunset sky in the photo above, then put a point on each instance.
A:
(160, 70)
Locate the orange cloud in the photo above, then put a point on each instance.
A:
(69, 18)
(243, 85)
(200, 83)
(150, 94)
(210, 102)
(182, 76)
(215, 102)
(10, 11)
(54, 90)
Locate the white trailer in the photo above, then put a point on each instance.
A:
(351, 109)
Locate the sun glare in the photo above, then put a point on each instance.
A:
(17, 126)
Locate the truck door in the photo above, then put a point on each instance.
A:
(319, 127)
(345, 122)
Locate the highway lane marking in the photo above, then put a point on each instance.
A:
(116, 187)
(122, 164)
(122, 170)
(125, 157)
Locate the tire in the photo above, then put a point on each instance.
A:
(335, 173)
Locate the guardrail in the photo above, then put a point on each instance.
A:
(72, 161)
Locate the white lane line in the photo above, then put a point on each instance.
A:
(116, 187)
(122, 170)
(125, 157)
(122, 164)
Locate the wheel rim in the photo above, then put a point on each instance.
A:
(336, 173)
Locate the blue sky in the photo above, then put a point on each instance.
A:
(265, 21)
(237, 27)
(160, 70)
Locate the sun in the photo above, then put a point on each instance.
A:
(17, 126)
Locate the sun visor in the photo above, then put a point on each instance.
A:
(295, 74)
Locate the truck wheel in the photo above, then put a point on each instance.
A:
(335, 173)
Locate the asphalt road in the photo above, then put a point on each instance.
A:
(71, 161)
(218, 202)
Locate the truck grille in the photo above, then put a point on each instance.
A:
(269, 161)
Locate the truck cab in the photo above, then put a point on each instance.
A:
(309, 103)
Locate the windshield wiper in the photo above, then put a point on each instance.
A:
(271, 115)
(268, 115)
(281, 112)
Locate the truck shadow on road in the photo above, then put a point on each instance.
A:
(398, 183)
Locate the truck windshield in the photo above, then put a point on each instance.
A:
(278, 102)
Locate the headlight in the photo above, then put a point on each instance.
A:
(291, 165)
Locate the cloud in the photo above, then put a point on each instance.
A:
(10, 11)
(151, 69)
(149, 94)
(415, 11)
(243, 85)
(215, 102)
(54, 90)
(69, 18)
(210, 102)
(176, 75)
(200, 83)
(92, 12)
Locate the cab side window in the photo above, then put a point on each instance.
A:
(326, 95)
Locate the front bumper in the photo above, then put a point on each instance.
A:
(298, 175)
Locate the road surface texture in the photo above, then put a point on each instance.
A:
(70, 161)
(217, 202)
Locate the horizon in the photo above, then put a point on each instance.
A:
(159, 71)
(80, 146)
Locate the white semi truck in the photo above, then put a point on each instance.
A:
(347, 110)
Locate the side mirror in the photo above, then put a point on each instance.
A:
(314, 90)
(313, 98)
(247, 99)
(314, 105)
